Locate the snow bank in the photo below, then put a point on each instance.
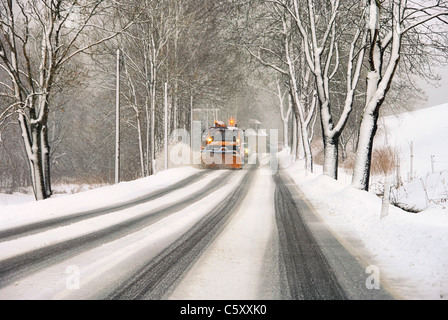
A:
(14, 199)
(430, 191)
(409, 249)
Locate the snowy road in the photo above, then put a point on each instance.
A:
(213, 235)
(39, 226)
(98, 227)
(317, 265)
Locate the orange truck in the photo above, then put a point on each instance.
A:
(223, 146)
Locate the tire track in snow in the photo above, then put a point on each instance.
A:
(40, 226)
(27, 263)
(155, 279)
(343, 258)
(310, 276)
(243, 262)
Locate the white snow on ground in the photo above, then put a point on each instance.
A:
(409, 249)
(427, 192)
(22, 245)
(113, 261)
(427, 129)
(18, 211)
(234, 265)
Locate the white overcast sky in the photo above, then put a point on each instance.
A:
(437, 95)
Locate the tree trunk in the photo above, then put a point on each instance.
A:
(31, 137)
(140, 143)
(330, 166)
(148, 137)
(361, 173)
(343, 145)
(153, 116)
(35, 159)
(153, 138)
(45, 147)
(378, 84)
(294, 138)
(304, 139)
(285, 133)
(298, 111)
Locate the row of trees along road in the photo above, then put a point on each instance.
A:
(57, 78)
(336, 61)
(321, 49)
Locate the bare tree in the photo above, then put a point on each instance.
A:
(284, 106)
(37, 38)
(278, 49)
(391, 24)
(285, 112)
(322, 25)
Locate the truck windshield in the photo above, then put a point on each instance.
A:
(223, 135)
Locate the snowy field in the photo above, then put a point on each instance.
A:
(427, 129)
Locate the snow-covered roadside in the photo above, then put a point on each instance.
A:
(14, 199)
(409, 249)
